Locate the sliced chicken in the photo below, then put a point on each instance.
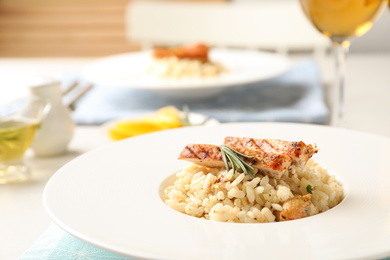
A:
(208, 155)
(298, 151)
(298, 207)
(271, 164)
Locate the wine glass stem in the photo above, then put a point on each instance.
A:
(338, 113)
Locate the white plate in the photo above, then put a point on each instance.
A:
(109, 198)
(129, 70)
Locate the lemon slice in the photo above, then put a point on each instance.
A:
(164, 118)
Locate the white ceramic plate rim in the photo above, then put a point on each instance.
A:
(93, 201)
(129, 70)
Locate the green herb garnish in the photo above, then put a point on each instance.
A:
(309, 189)
(185, 119)
(233, 156)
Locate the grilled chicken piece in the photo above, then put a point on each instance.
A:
(298, 151)
(298, 207)
(271, 164)
(191, 52)
(208, 155)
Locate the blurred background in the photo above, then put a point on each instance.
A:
(92, 28)
(63, 28)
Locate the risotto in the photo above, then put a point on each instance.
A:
(175, 68)
(188, 61)
(220, 195)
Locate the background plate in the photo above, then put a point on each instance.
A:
(109, 197)
(129, 70)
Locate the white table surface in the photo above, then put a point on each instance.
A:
(22, 216)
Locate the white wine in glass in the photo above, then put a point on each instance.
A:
(341, 21)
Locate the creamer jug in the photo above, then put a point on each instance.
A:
(57, 127)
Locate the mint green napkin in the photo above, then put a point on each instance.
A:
(56, 244)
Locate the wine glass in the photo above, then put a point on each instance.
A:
(341, 21)
(19, 121)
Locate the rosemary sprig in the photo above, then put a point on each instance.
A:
(233, 156)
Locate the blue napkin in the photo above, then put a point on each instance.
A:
(56, 244)
(295, 96)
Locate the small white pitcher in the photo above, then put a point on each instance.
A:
(57, 127)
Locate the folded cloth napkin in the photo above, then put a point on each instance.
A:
(295, 96)
(56, 244)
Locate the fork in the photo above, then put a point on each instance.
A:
(79, 89)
